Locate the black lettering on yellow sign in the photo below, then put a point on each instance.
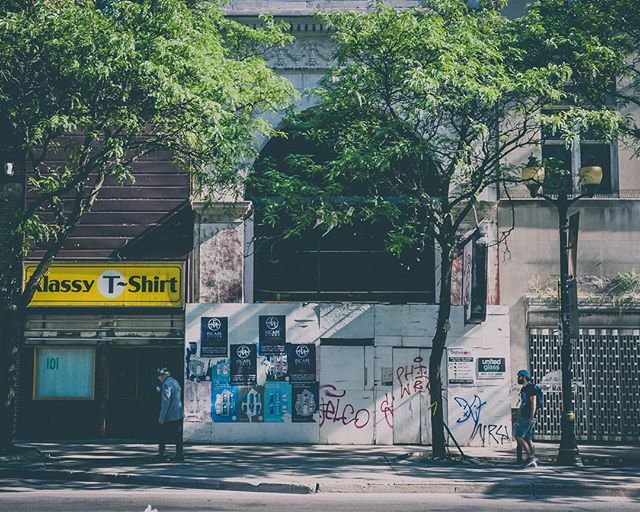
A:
(144, 284)
(65, 285)
(137, 284)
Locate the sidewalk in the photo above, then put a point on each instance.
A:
(322, 468)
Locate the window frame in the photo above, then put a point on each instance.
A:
(575, 152)
(35, 386)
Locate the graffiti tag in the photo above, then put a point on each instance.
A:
(470, 410)
(413, 378)
(497, 434)
(334, 409)
(386, 408)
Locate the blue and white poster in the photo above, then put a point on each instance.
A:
(224, 404)
(277, 401)
(221, 373)
(251, 408)
(302, 362)
(244, 371)
(272, 334)
(305, 402)
(275, 367)
(214, 336)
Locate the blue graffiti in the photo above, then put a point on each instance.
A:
(470, 410)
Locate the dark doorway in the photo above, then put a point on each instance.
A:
(132, 398)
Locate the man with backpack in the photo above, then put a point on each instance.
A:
(530, 402)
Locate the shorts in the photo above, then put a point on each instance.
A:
(523, 428)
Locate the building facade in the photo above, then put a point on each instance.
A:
(109, 312)
(366, 333)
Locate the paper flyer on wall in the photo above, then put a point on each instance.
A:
(251, 404)
(305, 402)
(302, 362)
(243, 364)
(272, 334)
(460, 367)
(224, 404)
(277, 401)
(214, 336)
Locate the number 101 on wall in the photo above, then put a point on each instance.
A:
(53, 363)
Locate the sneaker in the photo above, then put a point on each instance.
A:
(531, 463)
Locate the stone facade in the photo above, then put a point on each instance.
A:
(528, 261)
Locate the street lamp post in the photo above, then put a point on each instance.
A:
(590, 178)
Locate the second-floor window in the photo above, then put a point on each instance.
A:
(589, 150)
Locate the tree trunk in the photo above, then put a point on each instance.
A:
(437, 351)
(11, 333)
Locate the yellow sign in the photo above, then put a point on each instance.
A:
(109, 284)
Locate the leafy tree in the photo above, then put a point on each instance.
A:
(419, 111)
(600, 41)
(105, 84)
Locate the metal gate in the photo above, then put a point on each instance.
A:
(606, 366)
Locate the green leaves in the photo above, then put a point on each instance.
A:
(103, 84)
(409, 118)
(598, 43)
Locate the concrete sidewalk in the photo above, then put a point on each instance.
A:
(321, 468)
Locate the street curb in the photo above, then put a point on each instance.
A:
(564, 489)
(601, 461)
(156, 481)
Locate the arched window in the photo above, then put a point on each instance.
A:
(348, 263)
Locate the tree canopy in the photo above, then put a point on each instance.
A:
(88, 88)
(419, 112)
(600, 42)
(106, 83)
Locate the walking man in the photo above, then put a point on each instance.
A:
(170, 418)
(523, 430)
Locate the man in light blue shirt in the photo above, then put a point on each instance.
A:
(171, 414)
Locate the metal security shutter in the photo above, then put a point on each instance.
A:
(607, 383)
(159, 329)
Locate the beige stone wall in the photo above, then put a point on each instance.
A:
(609, 243)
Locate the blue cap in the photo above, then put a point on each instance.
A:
(524, 373)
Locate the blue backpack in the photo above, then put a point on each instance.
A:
(539, 396)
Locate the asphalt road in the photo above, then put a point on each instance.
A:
(31, 496)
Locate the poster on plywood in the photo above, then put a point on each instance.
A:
(214, 336)
(243, 370)
(460, 367)
(251, 404)
(197, 400)
(305, 402)
(277, 402)
(302, 362)
(272, 334)
(224, 404)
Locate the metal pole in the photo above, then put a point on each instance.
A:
(568, 454)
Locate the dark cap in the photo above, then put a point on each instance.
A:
(163, 371)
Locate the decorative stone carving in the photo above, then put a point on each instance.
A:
(303, 53)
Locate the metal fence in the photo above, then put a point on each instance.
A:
(606, 366)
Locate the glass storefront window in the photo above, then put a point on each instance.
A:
(64, 373)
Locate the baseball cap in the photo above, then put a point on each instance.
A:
(163, 371)
(524, 373)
